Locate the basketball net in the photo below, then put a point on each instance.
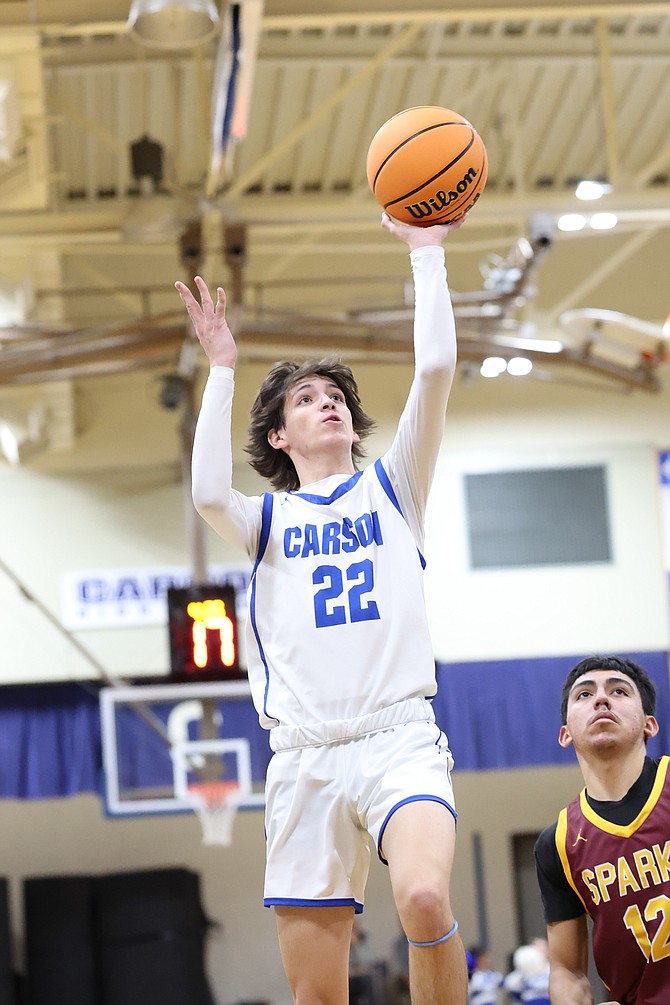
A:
(215, 803)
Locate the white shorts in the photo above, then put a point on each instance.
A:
(325, 799)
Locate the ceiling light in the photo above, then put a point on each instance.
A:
(16, 301)
(146, 158)
(9, 443)
(493, 366)
(530, 344)
(173, 24)
(10, 119)
(23, 433)
(519, 366)
(603, 221)
(570, 222)
(589, 190)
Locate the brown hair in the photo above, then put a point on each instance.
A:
(617, 664)
(267, 412)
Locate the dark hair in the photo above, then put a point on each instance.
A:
(267, 412)
(637, 674)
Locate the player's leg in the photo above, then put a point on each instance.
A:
(418, 844)
(314, 944)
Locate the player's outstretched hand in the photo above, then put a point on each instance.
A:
(209, 322)
(419, 237)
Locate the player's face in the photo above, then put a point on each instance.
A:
(316, 419)
(605, 712)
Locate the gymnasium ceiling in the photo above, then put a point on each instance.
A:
(559, 93)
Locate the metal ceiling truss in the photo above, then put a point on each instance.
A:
(558, 90)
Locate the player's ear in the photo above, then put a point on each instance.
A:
(277, 439)
(650, 726)
(564, 738)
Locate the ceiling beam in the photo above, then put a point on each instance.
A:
(608, 101)
(273, 215)
(596, 276)
(399, 42)
(82, 17)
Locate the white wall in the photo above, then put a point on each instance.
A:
(560, 610)
(51, 525)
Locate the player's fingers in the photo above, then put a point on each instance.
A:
(205, 296)
(221, 301)
(192, 306)
(184, 292)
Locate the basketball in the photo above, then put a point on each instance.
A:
(427, 165)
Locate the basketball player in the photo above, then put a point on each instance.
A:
(341, 665)
(609, 854)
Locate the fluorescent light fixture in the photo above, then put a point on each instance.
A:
(588, 190)
(9, 443)
(16, 301)
(603, 221)
(22, 432)
(173, 24)
(493, 366)
(519, 366)
(530, 344)
(10, 119)
(571, 222)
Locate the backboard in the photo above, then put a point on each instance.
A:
(157, 739)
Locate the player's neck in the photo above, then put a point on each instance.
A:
(610, 778)
(315, 469)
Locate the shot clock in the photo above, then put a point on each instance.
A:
(203, 633)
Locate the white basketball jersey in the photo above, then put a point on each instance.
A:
(337, 626)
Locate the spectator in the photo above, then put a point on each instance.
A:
(528, 983)
(485, 982)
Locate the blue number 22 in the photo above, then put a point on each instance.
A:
(361, 576)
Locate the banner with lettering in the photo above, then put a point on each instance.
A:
(131, 597)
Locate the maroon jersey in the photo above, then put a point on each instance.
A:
(622, 876)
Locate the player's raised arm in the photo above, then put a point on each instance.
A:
(227, 511)
(410, 461)
(209, 323)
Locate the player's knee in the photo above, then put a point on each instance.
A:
(313, 996)
(425, 911)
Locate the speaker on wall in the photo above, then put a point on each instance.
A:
(61, 954)
(151, 929)
(114, 939)
(8, 979)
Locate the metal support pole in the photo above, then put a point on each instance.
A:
(480, 889)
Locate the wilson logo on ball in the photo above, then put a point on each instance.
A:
(441, 199)
(427, 165)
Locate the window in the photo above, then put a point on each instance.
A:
(552, 516)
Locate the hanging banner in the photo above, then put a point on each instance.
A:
(131, 597)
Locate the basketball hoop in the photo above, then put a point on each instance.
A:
(216, 800)
(215, 803)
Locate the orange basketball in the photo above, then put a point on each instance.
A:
(427, 165)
